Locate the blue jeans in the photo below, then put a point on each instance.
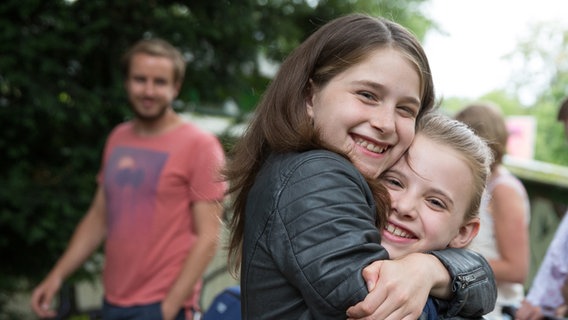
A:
(151, 311)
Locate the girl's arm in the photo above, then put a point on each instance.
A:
(461, 277)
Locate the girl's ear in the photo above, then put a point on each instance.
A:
(466, 234)
(310, 99)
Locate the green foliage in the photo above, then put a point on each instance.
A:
(55, 103)
(551, 141)
(61, 93)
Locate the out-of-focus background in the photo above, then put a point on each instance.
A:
(61, 93)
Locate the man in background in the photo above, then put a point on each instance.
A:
(158, 203)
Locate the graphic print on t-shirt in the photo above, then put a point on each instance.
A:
(131, 180)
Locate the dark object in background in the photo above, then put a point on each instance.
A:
(226, 305)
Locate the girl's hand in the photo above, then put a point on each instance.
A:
(398, 289)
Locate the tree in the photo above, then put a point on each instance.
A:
(537, 86)
(544, 53)
(61, 93)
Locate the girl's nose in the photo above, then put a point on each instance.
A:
(383, 118)
(404, 207)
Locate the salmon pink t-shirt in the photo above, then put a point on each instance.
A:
(149, 185)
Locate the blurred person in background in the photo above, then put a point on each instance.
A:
(158, 202)
(548, 295)
(503, 238)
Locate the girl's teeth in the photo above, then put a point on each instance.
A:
(397, 232)
(371, 147)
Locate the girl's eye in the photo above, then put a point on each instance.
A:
(437, 203)
(392, 182)
(409, 110)
(367, 95)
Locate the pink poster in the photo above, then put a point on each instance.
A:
(522, 133)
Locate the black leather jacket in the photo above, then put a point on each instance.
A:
(310, 230)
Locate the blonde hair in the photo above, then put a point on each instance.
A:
(473, 150)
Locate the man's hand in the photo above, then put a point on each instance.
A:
(42, 297)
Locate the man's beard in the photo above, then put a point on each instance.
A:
(149, 118)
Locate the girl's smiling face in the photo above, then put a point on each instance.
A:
(369, 111)
(430, 191)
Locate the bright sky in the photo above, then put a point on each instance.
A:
(466, 62)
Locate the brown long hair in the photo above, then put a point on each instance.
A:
(487, 121)
(281, 123)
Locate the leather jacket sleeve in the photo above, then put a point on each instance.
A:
(324, 233)
(473, 284)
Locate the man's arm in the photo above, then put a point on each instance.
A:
(207, 222)
(88, 236)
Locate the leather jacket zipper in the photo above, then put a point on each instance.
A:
(464, 281)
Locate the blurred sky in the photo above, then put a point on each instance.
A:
(466, 61)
